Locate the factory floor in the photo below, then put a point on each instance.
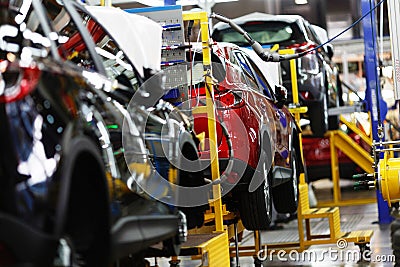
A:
(352, 218)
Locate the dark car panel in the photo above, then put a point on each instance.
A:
(64, 180)
(170, 139)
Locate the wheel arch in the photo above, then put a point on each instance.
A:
(82, 167)
(188, 151)
(266, 143)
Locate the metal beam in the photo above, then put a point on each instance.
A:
(375, 104)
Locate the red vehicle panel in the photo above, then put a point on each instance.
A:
(317, 158)
(257, 137)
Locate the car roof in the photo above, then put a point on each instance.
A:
(258, 16)
(140, 38)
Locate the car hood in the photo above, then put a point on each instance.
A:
(257, 16)
(139, 38)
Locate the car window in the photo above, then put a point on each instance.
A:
(265, 32)
(251, 68)
(247, 73)
(264, 85)
(22, 34)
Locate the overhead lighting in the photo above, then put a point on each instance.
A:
(301, 2)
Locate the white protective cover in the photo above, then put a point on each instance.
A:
(139, 37)
(271, 70)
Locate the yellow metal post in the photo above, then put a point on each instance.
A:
(293, 76)
(334, 169)
(105, 3)
(295, 95)
(207, 243)
(210, 110)
(296, 111)
(303, 202)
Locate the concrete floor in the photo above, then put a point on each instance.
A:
(361, 217)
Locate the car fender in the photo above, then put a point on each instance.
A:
(295, 141)
(188, 156)
(186, 137)
(74, 146)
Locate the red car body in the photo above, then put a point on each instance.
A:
(251, 118)
(317, 158)
(248, 114)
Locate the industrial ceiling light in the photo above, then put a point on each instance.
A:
(301, 2)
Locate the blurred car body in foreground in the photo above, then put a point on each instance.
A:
(68, 196)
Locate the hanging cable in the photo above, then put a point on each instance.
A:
(348, 28)
(189, 34)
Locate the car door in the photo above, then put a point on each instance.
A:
(281, 117)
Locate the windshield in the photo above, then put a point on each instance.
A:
(265, 32)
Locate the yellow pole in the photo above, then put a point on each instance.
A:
(334, 169)
(295, 89)
(295, 95)
(215, 174)
(300, 225)
(297, 111)
(105, 2)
